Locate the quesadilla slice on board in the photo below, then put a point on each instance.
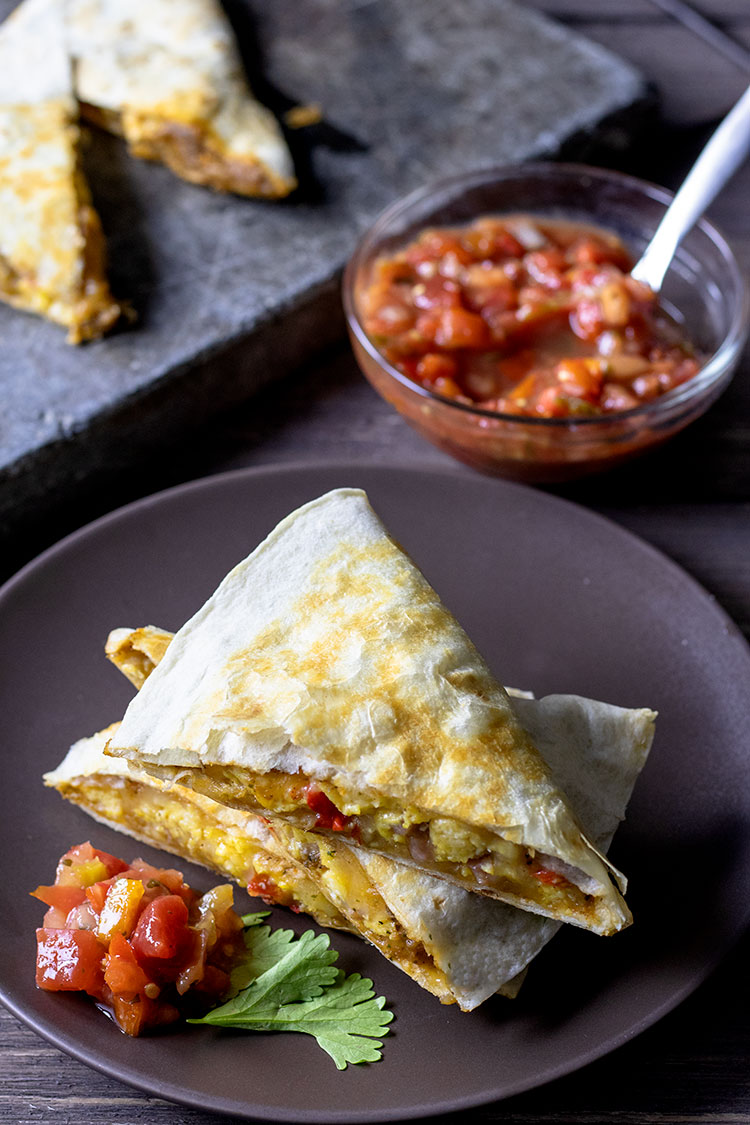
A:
(324, 682)
(167, 76)
(459, 946)
(51, 241)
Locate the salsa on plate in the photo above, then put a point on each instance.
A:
(526, 316)
(136, 938)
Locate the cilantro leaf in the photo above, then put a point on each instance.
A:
(288, 969)
(347, 1020)
(254, 919)
(283, 984)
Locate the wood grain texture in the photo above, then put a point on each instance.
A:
(691, 500)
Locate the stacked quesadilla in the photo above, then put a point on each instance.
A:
(260, 769)
(325, 681)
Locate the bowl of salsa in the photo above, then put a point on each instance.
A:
(496, 312)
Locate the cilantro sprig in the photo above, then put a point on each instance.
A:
(285, 983)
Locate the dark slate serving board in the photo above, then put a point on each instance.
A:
(231, 293)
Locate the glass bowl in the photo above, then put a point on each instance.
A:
(704, 288)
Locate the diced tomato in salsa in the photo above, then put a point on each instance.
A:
(69, 960)
(123, 974)
(133, 936)
(82, 865)
(61, 897)
(96, 894)
(534, 317)
(162, 930)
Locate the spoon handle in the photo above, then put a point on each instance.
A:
(721, 157)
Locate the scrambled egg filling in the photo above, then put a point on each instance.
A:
(185, 829)
(480, 860)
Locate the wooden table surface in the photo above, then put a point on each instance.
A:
(691, 500)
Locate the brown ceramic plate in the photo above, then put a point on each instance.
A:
(558, 600)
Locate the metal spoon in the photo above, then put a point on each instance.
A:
(722, 156)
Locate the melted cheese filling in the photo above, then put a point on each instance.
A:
(478, 859)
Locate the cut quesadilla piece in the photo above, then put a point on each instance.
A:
(325, 682)
(51, 241)
(245, 847)
(136, 652)
(167, 76)
(237, 845)
(459, 946)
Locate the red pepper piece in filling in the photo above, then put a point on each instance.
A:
(326, 813)
(262, 886)
(551, 878)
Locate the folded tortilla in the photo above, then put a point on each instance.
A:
(51, 241)
(459, 946)
(325, 682)
(167, 76)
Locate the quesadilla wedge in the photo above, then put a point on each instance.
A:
(51, 241)
(167, 76)
(324, 682)
(460, 947)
